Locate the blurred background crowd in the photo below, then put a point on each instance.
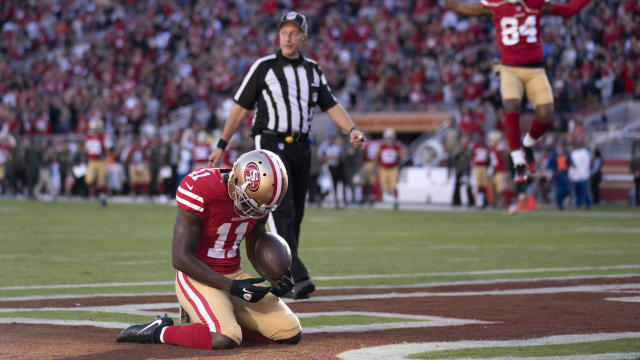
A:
(129, 65)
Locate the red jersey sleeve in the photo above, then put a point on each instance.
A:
(200, 189)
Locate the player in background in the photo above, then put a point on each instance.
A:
(95, 146)
(7, 143)
(139, 174)
(391, 153)
(369, 175)
(517, 24)
(498, 154)
(217, 208)
(202, 146)
(479, 169)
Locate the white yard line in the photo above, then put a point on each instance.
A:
(415, 285)
(351, 277)
(421, 321)
(401, 351)
(101, 324)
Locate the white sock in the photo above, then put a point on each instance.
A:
(528, 141)
(162, 334)
(517, 156)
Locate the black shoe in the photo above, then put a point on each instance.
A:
(529, 159)
(304, 288)
(148, 333)
(520, 176)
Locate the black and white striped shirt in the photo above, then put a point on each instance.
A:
(284, 93)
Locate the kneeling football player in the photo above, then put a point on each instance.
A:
(217, 209)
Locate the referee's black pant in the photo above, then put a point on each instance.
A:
(296, 157)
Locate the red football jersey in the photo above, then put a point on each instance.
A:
(201, 152)
(479, 154)
(517, 30)
(137, 154)
(204, 193)
(95, 147)
(497, 156)
(5, 151)
(389, 155)
(370, 150)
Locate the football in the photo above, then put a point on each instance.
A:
(272, 256)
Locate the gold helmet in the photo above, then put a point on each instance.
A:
(257, 183)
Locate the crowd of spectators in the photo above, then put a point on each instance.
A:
(130, 63)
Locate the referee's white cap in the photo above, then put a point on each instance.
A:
(296, 18)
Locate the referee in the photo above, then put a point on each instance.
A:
(284, 88)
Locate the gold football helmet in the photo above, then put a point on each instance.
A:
(257, 183)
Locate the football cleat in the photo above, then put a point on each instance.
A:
(529, 159)
(520, 175)
(148, 333)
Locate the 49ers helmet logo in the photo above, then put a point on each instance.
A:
(252, 176)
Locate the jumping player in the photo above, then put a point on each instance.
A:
(217, 209)
(517, 24)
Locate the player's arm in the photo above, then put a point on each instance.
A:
(186, 235)
(564, 10)
(469, 9)
(238, 113)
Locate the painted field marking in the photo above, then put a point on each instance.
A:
(367, 276)
(408, 286)
(401, 351)
(528, 291)
(634, 299)
(421, 321)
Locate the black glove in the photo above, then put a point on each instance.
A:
(246, 290)
(285, 285)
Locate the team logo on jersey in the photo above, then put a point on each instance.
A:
(252, 176)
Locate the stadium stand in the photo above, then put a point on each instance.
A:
(165, 68)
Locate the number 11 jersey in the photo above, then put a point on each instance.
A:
(204, 193)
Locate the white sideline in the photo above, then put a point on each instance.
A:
(401, 351)
(349, 277)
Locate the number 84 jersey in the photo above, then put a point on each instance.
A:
(517, 30)
(204, 193)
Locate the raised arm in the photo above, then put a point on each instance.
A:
(468, 9)
(564, 10)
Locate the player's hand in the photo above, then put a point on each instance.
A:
(245, 289)
(214, 157)
(284, 285)
(356, 137)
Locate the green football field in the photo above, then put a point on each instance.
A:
(82, 243)
(54, 250)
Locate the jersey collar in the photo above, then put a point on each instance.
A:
(285, 60)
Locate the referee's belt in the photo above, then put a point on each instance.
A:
(287, 137)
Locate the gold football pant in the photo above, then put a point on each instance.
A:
(515, 80)
(225, 314)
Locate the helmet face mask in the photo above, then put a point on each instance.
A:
(257, 183)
